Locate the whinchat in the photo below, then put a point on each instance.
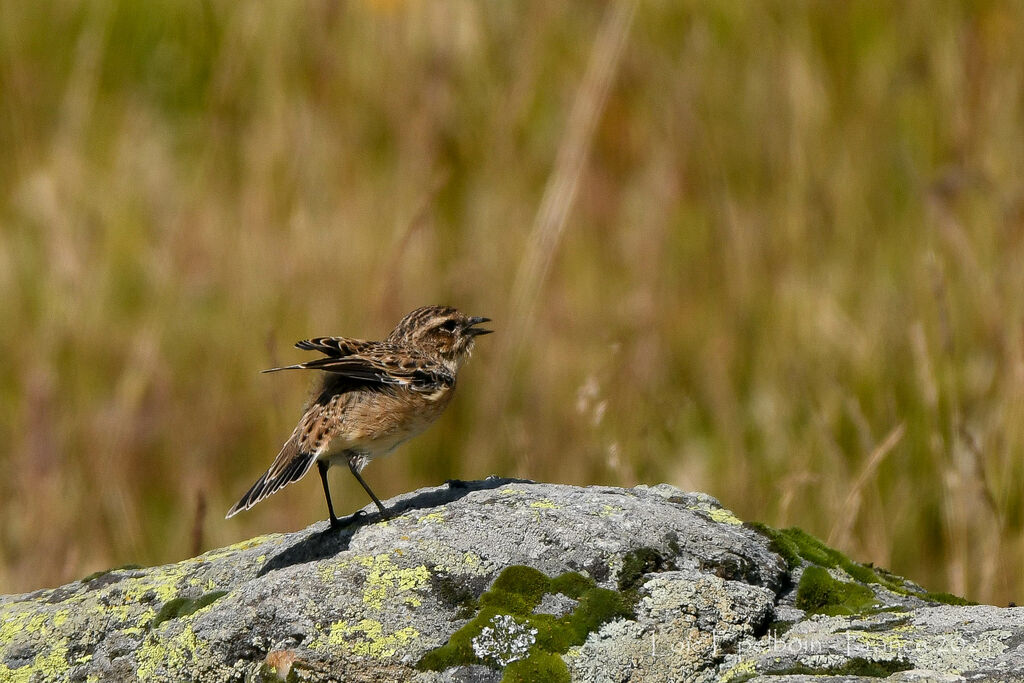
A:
(371, 397)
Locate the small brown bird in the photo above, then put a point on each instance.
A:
(373, 396)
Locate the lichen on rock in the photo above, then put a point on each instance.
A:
(516, 581)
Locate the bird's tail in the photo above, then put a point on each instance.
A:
(290, 465)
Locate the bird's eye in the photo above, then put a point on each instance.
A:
(448, 325)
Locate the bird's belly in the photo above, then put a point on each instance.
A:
(340, 448)
(378, 425)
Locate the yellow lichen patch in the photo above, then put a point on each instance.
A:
(742, 670)
(432, 517)
(723, 516)
(147, 659)
(895, 640)
(173, 653)
(209, 586)
(21, 675)
(609, 510)
(50, 663)
(509, 491)
(387, 581)
(720, 515)
(26, 621)
(327, 573)
(164, 585)
(123, 614)
(544, 505)
(243, 545)
(367, 638)
(219, 553)
(447, 562)
(53, 664)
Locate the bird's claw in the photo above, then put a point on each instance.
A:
(347, 521)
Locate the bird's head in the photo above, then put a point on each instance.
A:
(441, 331)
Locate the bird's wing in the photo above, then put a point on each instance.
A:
(385, 364)
(335, 347)
(412, 371)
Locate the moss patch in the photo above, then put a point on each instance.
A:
(458, 594)
(180, 607)
(857, 666)
(540, 638)
(638, 562)
(796, 546)
(779, 627)
(541, 666)
(819, 593)
(945, 598)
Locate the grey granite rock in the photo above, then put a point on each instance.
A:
(476, 581)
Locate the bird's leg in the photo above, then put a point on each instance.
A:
(352, 462)
(322, 466)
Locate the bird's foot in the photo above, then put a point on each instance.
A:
(347, 521)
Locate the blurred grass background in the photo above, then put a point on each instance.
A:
(771, 251)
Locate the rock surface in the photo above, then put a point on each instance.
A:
(512, 580)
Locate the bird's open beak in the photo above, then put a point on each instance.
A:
(476, 331)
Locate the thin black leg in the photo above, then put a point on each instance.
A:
(355, 473)
(322, 466)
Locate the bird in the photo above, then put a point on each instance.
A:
(371, 397)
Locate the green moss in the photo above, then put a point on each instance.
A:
(518, 589)
(778, 543)
(777, 628)
(856, 666)
(180, 607)
(595, 607)
(459, 595)
(637, 563)
(796, 545)
(516, 592)
(819, 593)
(540, 667)
(946, 598)
(571, 584)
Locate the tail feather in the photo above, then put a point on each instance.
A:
(273, 480)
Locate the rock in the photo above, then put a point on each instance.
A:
(511, 580)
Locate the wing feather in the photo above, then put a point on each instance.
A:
(378, 363)
(333, 346)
